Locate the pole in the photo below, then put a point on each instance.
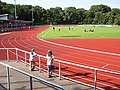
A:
(95, 80)
(25, 59)
(15, 10)
(8, 78)
(59, 70)
(32, 15)
(16, 54)
(31, 83)
(39, 64)
(7, 55)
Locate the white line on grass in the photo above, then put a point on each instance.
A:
(45, 33)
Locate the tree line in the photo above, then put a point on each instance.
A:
(97, 14)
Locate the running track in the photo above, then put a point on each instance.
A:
(73, 50)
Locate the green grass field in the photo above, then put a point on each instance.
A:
(78, 32)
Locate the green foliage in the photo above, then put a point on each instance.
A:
(100, 8)
(97, 14)
(117, 20)
(115, 11)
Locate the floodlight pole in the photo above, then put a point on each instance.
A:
(15, 10)
(32, 15)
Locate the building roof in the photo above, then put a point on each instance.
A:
(10, 18)
(6, 17)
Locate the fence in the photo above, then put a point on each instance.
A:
(61, 66)
(55, 86)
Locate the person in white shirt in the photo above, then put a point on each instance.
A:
(50, 65)
(32, 59)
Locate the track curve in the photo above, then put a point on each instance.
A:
(26, 39)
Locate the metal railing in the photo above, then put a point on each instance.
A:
(59, 65)
(45, 82)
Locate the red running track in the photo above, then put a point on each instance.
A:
(79, 51)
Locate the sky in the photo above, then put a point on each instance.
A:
(86, 4)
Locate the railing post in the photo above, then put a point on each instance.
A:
(59, 70)
(25, 59)
(30, 83)
(39, 64)
(16, 54)
(95, 80)
(8, 78)
(7, 55)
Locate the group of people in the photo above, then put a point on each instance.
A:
(70, 28)
(54, 28)
(91, 30)
(49, 62)
(59, 28)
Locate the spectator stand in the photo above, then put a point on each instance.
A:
(7, 23)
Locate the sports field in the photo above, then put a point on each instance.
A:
(102, 53)
(80, 32)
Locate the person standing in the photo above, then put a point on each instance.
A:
(68, 27)
(32, 59)
(58, 28)
(50, 65)
(72, 28)
(53, 28)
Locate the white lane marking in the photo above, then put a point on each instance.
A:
(4, 33)
(109, 53)
(105, 65)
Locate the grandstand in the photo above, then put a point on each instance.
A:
(7, 23)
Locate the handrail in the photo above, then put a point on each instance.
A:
(88, 67)
(35, 77)
(83, 66)
(70, 63)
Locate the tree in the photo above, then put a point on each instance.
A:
(105, 18)
(98, 18)
(117, 20)
(3, 9)
(70, 15)
(39, 14)
(80, 15)
(115, 11)
(89, 17)
(110, 19)
(100, 8)
(24, 12)
(97, 14)
(54, 15)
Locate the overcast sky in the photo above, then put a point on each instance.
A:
(86, 4)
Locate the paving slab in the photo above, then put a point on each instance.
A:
(21, 82)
